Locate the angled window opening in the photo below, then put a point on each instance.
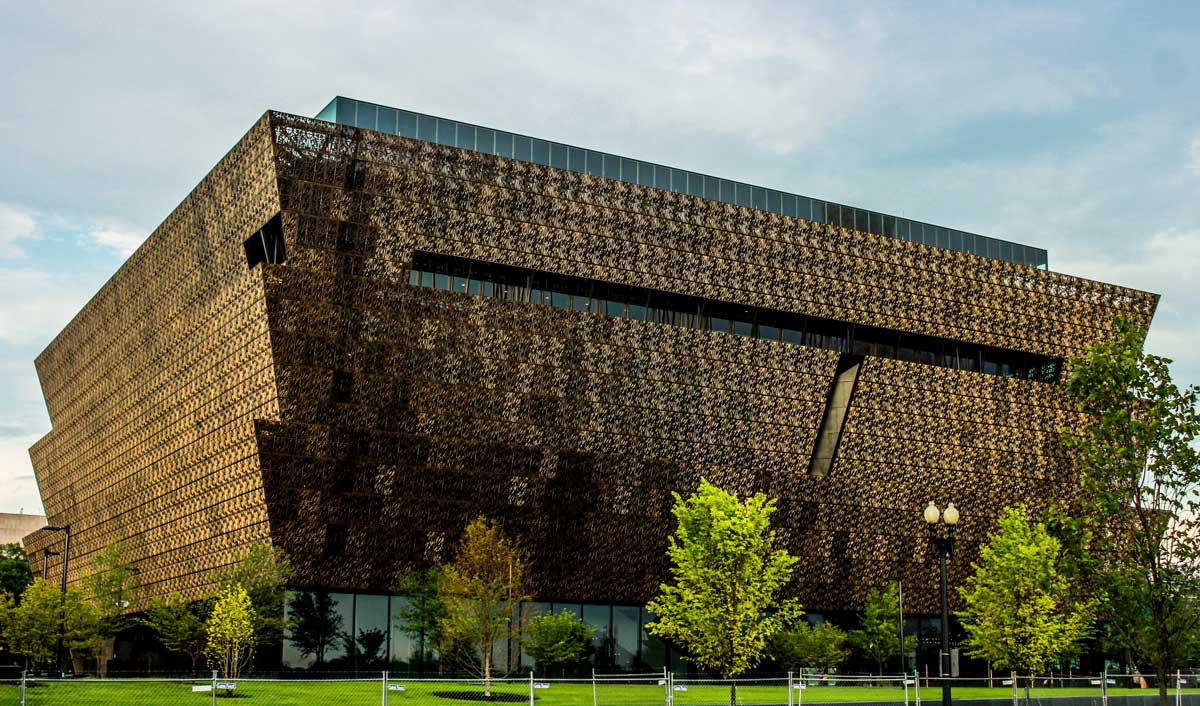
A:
(266, 245)
(837, 409)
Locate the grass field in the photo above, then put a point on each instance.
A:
(355, 693)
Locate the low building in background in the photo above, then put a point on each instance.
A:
(361, 331)
(14, 526)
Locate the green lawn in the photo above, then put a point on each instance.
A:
(354, 693)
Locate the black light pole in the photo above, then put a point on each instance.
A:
(46, 554)
(941, 541)
(62, 626)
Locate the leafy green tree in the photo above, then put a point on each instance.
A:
(262, 571)
(15, 573)
(181, 626)
(556, 640)
(723, 606)
(112, 586)
(482, 585)
(1138, 464)
(8, 604)
(230, 632)
(314, 625)
(878, 638)
(824, 646)
(1020, 613)
(32, 627)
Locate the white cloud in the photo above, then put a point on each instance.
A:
(124, 242)
(34, 306)
(16, 475)
(16, 224)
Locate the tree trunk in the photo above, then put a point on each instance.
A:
(1028, 683)
(487, 672)
(1161, 672)
(732, 693)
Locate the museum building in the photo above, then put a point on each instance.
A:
(362, 330)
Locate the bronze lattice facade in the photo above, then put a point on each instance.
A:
(270, 365)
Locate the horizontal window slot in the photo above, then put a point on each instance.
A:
(517, 284)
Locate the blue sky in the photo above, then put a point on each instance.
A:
(1073, 127)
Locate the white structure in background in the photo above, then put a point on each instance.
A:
(14, 527)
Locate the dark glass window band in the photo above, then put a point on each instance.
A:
(516, 284)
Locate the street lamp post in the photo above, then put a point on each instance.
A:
(941, 526)
(46, 554)
(62, 626)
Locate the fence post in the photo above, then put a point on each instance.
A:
(789, 688)
(23, 673)
(1104, 686)
(593, 687)
(530, 687)
(904, 681)
(917, 685)
(666, 688)
(1178, 690)
(383, 690)
(214, 688)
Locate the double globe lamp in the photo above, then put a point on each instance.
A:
(941, 524)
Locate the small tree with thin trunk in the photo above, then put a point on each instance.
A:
(230, 630)
(878, 638)
(1020, 614)
(723, 606)
(480, 590)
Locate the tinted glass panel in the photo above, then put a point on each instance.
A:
(504, 144)
(577, 160)
(370, 631)
(629, 170)
(522, 148)
(366, 117)
(541, 152)
(558, 155)
(595, 163)
(387, 120)
(427, 128)
(466, 137)
(407, 124)
(446, 132)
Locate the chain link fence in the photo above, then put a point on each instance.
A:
(658, 689)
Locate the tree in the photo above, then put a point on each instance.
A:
(556, 640)
(7, 605)
(313, 624)
(181, 626)
(112, 586)
(230, 632)
(32, 627)
(1138, 467)
(483, 585)
(823, 646)
(879, 637)
(723, 606)
(15, 574)
(1020, 613)
(262, 571)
